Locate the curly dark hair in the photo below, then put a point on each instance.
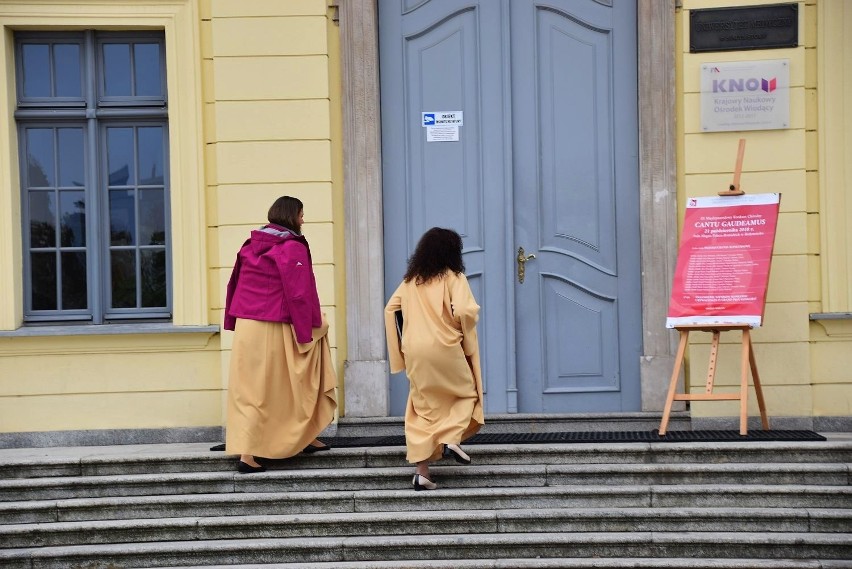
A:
(285, 212)
(437, 251)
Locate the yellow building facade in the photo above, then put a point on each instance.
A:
(803, 350)
(258, 94)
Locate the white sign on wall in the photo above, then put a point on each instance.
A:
(442, 126)
(745, 95)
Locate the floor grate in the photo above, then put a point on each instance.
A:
(595, 437)
(703, 436)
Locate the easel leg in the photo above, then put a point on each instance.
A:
(744, 366)
(711, 366)
(758, 390)
(681, 349)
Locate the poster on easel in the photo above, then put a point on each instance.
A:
(723, 261)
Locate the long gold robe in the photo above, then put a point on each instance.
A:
(280, 393)
(439, 351)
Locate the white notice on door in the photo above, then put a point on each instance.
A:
(442, 118)
(442, 133)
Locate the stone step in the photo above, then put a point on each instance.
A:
(561, 563)
(447, 499)
(458, 522)
(388, 478)
(52, 463)
(708, 545)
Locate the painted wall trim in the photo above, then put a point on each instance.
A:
(834, 73)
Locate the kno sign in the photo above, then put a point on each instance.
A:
(740, 85)
(745, 95)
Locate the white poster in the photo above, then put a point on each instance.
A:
(745, 95)
(442, 134)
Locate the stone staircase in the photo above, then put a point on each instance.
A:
(737, 505)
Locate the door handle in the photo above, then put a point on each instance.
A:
(522, 262)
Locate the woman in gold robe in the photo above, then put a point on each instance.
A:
(281, 390)
(430, 323)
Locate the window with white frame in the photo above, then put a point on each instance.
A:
(92, 122)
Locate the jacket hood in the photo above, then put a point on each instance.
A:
(268, 236)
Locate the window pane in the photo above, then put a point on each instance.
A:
(117, 69)
(40, 157)
(36, 67)
(151, 156)
(71, 157)
(120, 157)
(122, 219)
(74, 296)
(66, 59)
(147, 66)
(123, 270)
(152, 218)
(43, 277)
(42, 219)
(153, 278)
(72, 212)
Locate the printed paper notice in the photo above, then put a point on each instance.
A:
(442, 133)
(723, 261)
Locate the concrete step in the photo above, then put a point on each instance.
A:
(324, 479)
(534, 563)
(443, 499)
(251, 526)
(562, 563)
(196, 457)
(424, 546)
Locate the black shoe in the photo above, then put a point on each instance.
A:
(311, 449)
(455, 451)
(249, 469)
(421, 482)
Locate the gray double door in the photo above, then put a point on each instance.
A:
(545, 160)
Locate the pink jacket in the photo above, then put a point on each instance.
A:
(273, 280)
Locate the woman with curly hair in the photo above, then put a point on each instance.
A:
(437, 346)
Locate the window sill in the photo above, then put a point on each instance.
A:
(106, 330)
(107, 338)
(835, 324)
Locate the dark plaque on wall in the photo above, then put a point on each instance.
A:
(748, 27)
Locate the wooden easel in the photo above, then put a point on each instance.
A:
(748, 361)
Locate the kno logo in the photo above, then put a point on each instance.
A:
(741, 85)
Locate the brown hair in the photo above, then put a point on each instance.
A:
(439, 250)
(285, 212)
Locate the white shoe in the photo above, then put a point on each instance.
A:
(455, 451)
(420, 482)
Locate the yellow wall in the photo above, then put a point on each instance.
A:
(801, 368)
(271, 100)
(72, 379)
(254, 95)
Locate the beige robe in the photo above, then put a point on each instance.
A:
(439, 352)
(281, 394)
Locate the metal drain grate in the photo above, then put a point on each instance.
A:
(707, 436)
(595, 437)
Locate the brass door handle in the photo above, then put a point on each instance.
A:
(522, 261)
